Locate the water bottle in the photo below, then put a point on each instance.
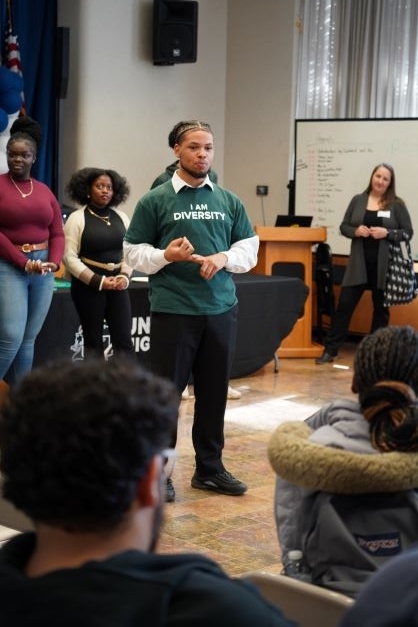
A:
(296, 567)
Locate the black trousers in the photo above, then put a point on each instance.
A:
(204, 347)
(94, 308)
(349, 299)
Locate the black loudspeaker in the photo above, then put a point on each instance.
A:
(62, 61)
(174, 32)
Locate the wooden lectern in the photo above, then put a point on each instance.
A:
(292, 245)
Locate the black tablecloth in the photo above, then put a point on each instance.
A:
(268, 309)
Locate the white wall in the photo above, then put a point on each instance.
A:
(120, 107)
(259, 121)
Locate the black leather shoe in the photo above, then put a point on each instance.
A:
(170, 493)
(326, 358)
(222, 483)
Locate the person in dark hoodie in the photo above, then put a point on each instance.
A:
(83, 455)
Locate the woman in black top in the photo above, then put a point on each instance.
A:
(94, 257)
(373, 219)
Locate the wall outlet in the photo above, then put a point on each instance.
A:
(262, 190)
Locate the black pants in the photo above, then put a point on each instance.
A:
(94, 308)
(340, 322)
(201, 346)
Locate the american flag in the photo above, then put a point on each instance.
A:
(12, 52)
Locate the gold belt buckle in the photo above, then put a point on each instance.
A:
(26, 248)
(110, 266)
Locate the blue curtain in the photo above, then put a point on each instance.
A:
(35, 24)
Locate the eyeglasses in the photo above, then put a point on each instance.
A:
(169, 459)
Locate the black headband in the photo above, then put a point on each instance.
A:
(191, 126)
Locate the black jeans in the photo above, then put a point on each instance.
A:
(349, 298)
(202, 346)
(94, 308)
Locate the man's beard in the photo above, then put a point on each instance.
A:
(194, 173)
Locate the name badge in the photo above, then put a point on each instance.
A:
(383, 214)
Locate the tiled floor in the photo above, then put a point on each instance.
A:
(239, 532)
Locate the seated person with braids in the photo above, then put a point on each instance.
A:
(347, 507)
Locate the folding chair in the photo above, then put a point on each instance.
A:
(306, 604)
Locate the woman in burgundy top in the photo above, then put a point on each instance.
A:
(31, 248)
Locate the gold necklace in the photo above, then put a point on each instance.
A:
(18, 188)
(105, 219)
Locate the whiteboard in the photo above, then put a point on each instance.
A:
(334, 160)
